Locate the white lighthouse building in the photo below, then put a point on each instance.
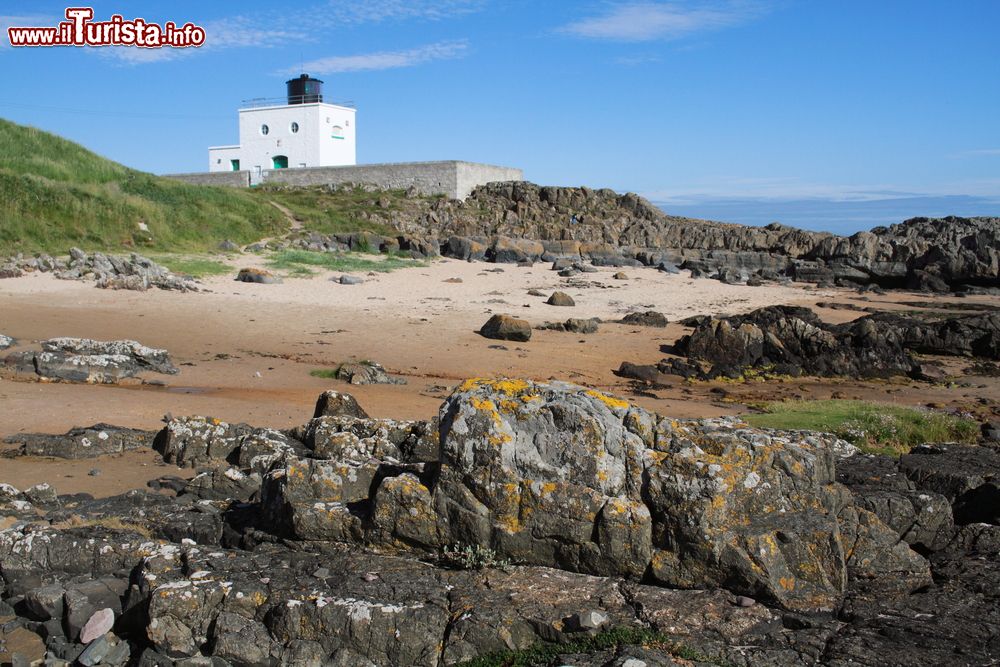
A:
(302, 131)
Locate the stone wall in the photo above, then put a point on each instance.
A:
(231, 179)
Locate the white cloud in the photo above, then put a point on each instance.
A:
(383, 59)
(648, 21)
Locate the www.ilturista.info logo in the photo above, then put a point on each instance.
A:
(81, 30)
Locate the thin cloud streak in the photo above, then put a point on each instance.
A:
(649, 21)
(275, 29)
(383, 60)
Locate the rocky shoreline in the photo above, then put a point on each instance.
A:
(571, 227)
(524, 515)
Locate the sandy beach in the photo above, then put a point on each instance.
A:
(245, 351)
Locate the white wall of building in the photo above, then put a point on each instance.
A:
(323, 135)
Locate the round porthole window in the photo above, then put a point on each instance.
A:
(264, 129)
(294, 128)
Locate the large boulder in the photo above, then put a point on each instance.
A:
(506, 327)
(561, 475)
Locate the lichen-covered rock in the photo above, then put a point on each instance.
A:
(560, 475)
(90, 361)
(6, 341)
(83, 443)
(344, 438)
(147, 358)
(194, 441)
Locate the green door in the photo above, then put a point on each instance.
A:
(235, 164)
(280, 162)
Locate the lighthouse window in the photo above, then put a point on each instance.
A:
(264, 129)
(295, 128)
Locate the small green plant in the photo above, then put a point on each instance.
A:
(192, 265)
(471, 557)
(292, 260)
(326, 373)
(878, 428)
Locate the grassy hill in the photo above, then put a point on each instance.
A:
(55, 194)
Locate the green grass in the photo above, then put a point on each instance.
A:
(192, 265)
(293, 260)
(874, 427)
(325, 373)
(339, 211)
(544, 655)
(55, 194)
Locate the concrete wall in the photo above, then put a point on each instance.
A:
(232, 179)
(471, 174)
(452, 178)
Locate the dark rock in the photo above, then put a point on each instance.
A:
(574, 325)
(560, 299)
(254, 275)
(967, 475)
(506, 327)
(366, 372)
(647, 373)
(649, 318)
(338, 404)
(82, 443)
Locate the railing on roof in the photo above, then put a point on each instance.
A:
(257, 102)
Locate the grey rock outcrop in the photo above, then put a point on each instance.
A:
(83, 443)
(91, 361)
(133, 272)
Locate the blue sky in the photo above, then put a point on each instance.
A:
(832, 115)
